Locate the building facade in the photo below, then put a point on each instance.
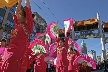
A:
(9, 22)
(39, 25)
(92, 54)
(83, 47)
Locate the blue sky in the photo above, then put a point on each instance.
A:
(76, 9)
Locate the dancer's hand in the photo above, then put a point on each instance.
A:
(27, 2)
(14, 32)
(18, 6)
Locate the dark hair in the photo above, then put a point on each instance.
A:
(62, 39)
(22, 8)
(72, 49)
(3, 40)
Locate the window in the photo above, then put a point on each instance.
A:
(4, 8)
(1, 19)
(10, 18)
(35, 17)
(32, 36)
(7, 22)
(4, 35)
(34, 28)
(12, 11)
(2, 12)
(8, 28)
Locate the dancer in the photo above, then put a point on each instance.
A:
(62, 62)
(77, 64)
(38, 59)
(17, 49)
(40, 65)
(3, 42)
(71, 57)
(3, 45)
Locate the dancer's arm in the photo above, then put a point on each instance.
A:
(16, 12)
(29, 18)
(18, 6)
(66, 42)
(27, 2)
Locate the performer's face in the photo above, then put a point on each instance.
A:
(21, 16)
(70, 51)
(3, 43)
(61, 43)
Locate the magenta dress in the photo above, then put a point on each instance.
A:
(17, 50)
(71, 58)
(77, 65)
(1, 58)
(0, 65)
(62, 62)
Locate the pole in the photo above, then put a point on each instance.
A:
(102, 38)
(72, 32)
(4, 22)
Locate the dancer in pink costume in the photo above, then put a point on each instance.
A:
(62, 62)
(17, 50)
(3, 45)
(71, 57)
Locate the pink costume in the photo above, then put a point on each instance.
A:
(71, 58)
(1, 63)
(77, 65)
(1, 58)
(40, 65)
(62, 62)
(17, 49)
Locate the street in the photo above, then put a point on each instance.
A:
(98, 71)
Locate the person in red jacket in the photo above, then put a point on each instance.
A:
(17, 49)
(62, 62)
(40, 64)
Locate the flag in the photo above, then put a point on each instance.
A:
(68, 25)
